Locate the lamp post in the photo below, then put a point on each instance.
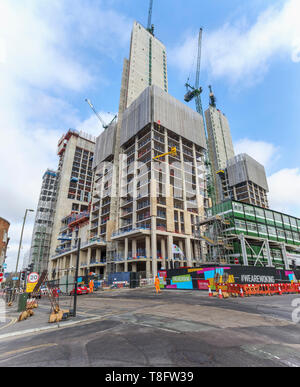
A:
(76, 277)
(20, 244)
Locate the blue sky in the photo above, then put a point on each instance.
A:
(54, 54)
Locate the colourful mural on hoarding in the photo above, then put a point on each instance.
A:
(201, 278)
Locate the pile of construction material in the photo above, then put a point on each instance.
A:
(30, 305)
(58, 314)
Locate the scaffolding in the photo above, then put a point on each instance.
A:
(212, 231)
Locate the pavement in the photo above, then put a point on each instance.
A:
(138, 328)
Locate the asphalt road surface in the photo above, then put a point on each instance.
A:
(137, 328)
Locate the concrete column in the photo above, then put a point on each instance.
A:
(126, 254)
(133, 245)
(170, 249)
(98, 255)
(153, 246)
(163, 251)
(89, 255)
(148, 256)
(180, 245)
(188, 251)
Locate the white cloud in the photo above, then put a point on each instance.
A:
(284, 195)
(263, 152)
(241, 52)
(45, 56)
(93, 125)
(284, 184)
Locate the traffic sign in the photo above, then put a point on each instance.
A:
(33, 277)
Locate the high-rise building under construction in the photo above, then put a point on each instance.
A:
(219, 144)
(147, 64)
(237, 177)
(142, 211)
(42, 230)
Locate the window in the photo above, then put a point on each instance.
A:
(237, 207)
(269, 214)
(252, 226)
(262, 229)
(272, 231)
(259, 212)
(240, 224)
(288, 235)
(285, 219)
(249, 210)
(277, 217)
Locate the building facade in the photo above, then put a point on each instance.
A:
(42, 230)
(247, 181)
(73, 197)
(259, 236)
(147, 63)
(4, 239)
(157, 202)
(220, 147)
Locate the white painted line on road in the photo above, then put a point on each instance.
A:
(288, 363)
(153, 327)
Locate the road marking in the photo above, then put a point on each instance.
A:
(153, 327)
(27, 349)
(288, 363)
(13, 321)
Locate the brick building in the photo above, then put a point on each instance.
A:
(4, 239)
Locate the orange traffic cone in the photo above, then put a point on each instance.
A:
(279, 290)
(220, 294)
(209, 292)
(241, 292)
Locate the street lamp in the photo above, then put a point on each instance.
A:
(20, 243)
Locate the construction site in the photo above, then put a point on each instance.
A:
(161, 187)
(155, 243)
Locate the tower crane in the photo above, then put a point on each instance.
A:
(98, 115)
(195, 92)
(212, 98)
(150, 27)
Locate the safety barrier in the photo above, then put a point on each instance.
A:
(247, 290)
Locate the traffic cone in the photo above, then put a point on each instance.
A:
(209, 292)
(220, 294)
(279, 290)
(241, 292)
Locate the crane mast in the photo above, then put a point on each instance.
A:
(198, 96)
(195, 92)
(150, 27)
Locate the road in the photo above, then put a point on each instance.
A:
(137, 328)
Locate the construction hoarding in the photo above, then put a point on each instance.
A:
(201, 278)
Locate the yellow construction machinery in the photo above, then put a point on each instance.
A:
(172, 152)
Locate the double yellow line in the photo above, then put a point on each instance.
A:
(13, 321)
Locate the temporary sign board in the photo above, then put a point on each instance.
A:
(33, 277)
(30, 286)
(32, 280)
